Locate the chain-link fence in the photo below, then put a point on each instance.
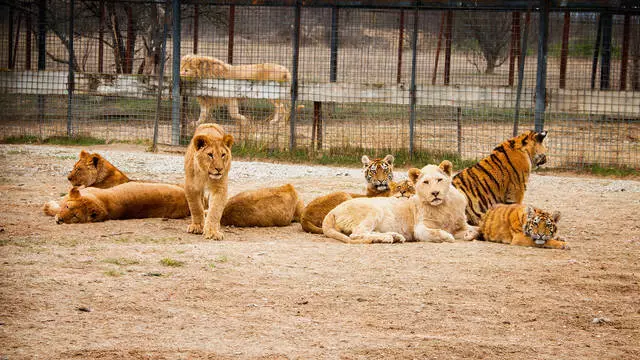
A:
(451, 81)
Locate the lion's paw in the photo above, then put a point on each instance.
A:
(382, 239)
(194, 229)
(213, 234)
(446, 236)
(398, 238)
(470, 234)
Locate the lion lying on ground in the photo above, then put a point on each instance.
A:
(436, 213)
(206, 165)
(277, 206)
(95, 171)
(201, 67)
(132, 200)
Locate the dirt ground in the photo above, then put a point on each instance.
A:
(102, 291)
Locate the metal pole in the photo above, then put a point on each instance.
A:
(232, 25)
(515, 41)
(175, 75)
(412, 89)
(596, 54)
(605, 64)
(625, 52)
(196, 25)
(70, 80)
(27, 45)
(541, 73)
(400, 45)
(333, 62)
(564, 53)
(10, 42)
(294, 77)
(163, 53)
(42, 57)
(523, 55)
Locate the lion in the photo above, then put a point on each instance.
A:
(95, 171)
(436, 213)
(276, 206)
(132, 200)
(206, 166)
(199, 67)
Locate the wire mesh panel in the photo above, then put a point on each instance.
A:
(365, 80)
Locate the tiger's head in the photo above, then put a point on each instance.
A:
(378, 172)
(540, 225)
(403, 189)
(531, 142)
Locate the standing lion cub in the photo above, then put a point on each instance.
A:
(436, 213)
(206, 165)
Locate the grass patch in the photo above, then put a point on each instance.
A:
(171, 262)
(597, 170)
(54, 140)
(65, 157)
(221, 259)
(346, 156)
(113, 273)
(121, 261)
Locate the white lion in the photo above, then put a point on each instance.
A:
(436, 213)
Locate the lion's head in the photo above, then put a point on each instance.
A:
(85, 171)
(196, 66)
(432, 182)
(403, 189)
(378, 172)
(540, 225)
(76, 208)
(213, 155)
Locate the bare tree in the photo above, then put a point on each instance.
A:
(485, 37)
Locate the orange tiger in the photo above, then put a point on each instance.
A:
(519, 224)
(501, 178)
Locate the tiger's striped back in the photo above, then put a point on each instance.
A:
(501, 177)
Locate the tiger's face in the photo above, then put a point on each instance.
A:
(403, 189)
(532, 143)
(540, 225)
(378, 172)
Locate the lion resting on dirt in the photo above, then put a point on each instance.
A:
(132, 200)
(95, 171)
(206, 165)
(277, 206)
(199, 67)
(436, 213)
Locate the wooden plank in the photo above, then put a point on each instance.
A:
(559, 100)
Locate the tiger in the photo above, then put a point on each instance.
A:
(501, 177)
(520, 224)
(379, 174)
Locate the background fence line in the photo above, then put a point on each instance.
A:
(349, 68)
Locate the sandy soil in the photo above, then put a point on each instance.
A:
(100, 291)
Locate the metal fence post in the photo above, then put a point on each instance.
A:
(232, 25)
(541, 72)
(605, 64)
(412, 89)
(42, 57)
(294, 77)
(175, 75)
(625, 52)
(521, 60)
(163, 54)
(70, 80)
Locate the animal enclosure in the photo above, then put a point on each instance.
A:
(375, 77)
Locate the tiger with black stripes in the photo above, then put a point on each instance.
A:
(501, 177)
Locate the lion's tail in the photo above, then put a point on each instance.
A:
(329, 229)
(309, 226)
(52, 208)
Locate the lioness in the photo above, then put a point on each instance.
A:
(206, 165)
(277, 206)
(95, 171)
(436, 213)
(132, 200)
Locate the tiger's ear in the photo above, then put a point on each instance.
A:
(227, 140)
(414, 174)
(529, 212)
(447, 167)
(365, 160)
(389, 159)
(95, 159)
(540, 136)
(74, 193)
(201, 141)
(555, 216)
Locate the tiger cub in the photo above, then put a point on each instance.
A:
(519, 224)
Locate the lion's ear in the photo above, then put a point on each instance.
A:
(227, 140)
(201, 141)
(95, 159)
(555, 216)
(447, 167)
(540, 136)
(83, 154)
(389, 159)
(414, 174)
(365, 160)
(74, 193)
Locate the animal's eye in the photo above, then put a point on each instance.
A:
(210, 155)
(426, 182)
(439, 180)
(223, 155)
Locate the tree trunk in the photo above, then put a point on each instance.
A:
(116, 36)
